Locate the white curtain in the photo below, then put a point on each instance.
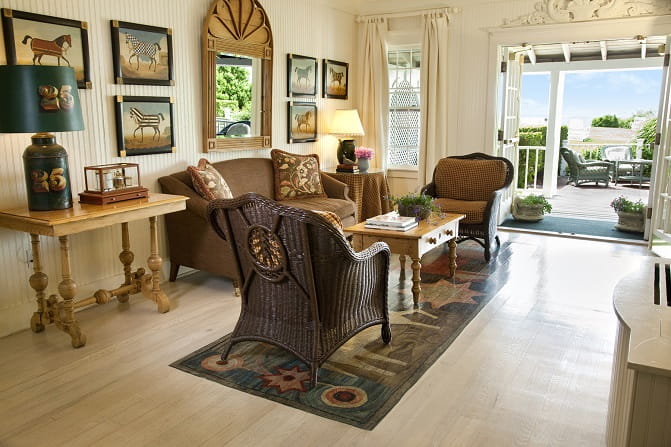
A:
(373, 81)
(433, 98)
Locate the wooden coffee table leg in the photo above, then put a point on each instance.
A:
(67, 288)
(154, 262)
(453, 256)
(416, 288)
(401, 276)
(38, 281)
(126, 257)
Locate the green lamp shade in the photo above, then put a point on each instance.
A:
(25, 110)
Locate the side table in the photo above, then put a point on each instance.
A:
(369, 190)
(85, 217)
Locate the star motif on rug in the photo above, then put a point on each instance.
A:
(287, 379)
(463, 294)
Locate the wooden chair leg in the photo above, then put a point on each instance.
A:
(174, 268)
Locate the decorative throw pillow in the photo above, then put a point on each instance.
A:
(332, 218)
(208, 182)
(296, 176)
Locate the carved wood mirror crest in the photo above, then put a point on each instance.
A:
(238, 30)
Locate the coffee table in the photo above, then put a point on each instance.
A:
(414, 243)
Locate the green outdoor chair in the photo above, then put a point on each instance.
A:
(585, 171)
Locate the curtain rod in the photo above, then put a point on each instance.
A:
(418, 12)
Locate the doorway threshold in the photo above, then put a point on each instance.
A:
(574, 228)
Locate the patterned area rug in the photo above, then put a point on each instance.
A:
(364, 379)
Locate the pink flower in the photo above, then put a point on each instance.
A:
(364, 152)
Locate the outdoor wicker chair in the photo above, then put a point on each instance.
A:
(618, 156)
(303, 287)
(472, 185)
(584, 171)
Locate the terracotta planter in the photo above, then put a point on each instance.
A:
(630, 222)
(527, 213)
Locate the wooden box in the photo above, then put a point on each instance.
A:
(112, 183)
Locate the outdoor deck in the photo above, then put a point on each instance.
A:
(593, 202)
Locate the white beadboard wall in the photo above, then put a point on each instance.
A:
(299, 26)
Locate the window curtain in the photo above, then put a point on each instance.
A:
(373, 80)
(433, 96)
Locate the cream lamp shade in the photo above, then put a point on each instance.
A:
(346, 122)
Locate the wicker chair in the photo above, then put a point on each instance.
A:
(303, 287)
(585, 171)
(472, 185)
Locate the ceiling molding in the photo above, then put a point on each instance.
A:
(567, 11)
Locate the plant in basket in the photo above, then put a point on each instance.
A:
(419, 206)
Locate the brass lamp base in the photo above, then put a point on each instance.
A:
(45, 164)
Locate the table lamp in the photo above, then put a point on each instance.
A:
(346, 122)
(42, 99)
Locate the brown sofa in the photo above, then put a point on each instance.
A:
(191, 240)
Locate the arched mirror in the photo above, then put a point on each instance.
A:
(237, 76)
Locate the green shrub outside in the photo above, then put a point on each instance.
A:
(534, 136)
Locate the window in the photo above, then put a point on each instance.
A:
(403, 149)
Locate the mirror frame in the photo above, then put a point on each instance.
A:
(238, 27)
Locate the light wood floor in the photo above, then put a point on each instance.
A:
(532, 369)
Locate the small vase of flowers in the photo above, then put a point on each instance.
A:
(363, 156)
(419, 206)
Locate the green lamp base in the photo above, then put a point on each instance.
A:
(45, 164)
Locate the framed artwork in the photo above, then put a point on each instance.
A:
(142, 54)
(302, 122)
(144, 125)
(34, 39)
(334, 79)
(302, 75)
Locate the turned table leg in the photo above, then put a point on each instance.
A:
(401, 260)
(126, 257)
(67, 288)
(416, 288)
(453, 256)
(38, 281)
(154, 263)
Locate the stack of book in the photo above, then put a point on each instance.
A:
(391, 221)
(347, 168)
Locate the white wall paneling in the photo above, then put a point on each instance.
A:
(299, 26)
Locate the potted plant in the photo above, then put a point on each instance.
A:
(531, 208)
(419, 206)
(363, 156)
(630, 215)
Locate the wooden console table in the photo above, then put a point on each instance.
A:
(414, 243)
(80, 218)
(369, 190)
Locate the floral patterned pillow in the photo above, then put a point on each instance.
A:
(208, 182)
(296, 176)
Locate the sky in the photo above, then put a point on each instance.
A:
(589, 94)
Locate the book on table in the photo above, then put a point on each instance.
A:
(390, 228)
(392, 219)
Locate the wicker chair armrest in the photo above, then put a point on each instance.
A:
(587, 164)
(429, 189)
(372, 251)
(334, 189)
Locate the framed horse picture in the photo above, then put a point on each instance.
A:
(301, 75)
(334, 79)
(144, 125)
(34, 39)
(302, 122)
(142, 54)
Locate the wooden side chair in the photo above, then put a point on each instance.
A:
(303, 288)
(472, 185)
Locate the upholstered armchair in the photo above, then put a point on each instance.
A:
(303, 287)
(585, 171)
(472, 185)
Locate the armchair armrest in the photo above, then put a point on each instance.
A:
(595, 163)
(196, 203)
(333, 188)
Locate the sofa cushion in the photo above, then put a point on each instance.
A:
(473, 209)
(468, 179)
(342, 208)
(208, 182)
(296, 176)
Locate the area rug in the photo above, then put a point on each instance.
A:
(572, 226)
(364, 379)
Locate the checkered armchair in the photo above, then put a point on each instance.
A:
(472, 185)
(303, 287)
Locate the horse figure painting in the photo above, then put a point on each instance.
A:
(303, 120)
(303, 73)
(336, 76)
(57, 48)
(139, 48)
(142, 121)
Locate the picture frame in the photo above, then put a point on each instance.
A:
(150, 115)
(335, 77)
(301, 75)
(44, 40)
(142, 54)
(301, 122)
